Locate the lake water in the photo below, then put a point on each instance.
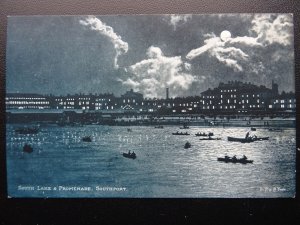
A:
(61, 165)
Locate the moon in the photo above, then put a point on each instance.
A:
(225, 34)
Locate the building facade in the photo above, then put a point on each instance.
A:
(239, 97)
(27, 101)
(234, 97)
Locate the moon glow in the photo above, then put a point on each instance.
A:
(225, 35)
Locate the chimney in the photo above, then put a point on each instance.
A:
(274, 87)
(167, 93)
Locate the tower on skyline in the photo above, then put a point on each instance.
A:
(274, 87)
(167, 93)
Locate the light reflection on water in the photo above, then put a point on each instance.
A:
(163, 168)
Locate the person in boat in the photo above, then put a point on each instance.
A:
(226, 157)
(133, 153)
(247, 135)
(244, 157)
(129, 153)
(234, 157)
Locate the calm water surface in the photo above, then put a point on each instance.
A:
(163, 168)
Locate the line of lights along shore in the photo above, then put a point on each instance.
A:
(234, 96)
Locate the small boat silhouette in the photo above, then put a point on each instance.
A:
(129, 155)
(87, 139)
(27, 148)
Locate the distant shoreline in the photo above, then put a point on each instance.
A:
(265, 123)
(215, 123)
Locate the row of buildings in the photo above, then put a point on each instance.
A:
(227, 98)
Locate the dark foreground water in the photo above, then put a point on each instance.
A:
(61, 165)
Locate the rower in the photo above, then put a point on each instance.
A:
(244, 157)
(247, 135)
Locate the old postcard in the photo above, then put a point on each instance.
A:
(151, 106)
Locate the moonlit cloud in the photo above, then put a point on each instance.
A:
(273, 28)
(151, 76)
(210, 43)
(96, 24)
(216, 47)
(187, 66)
(176, 19)
(231, 51)
(248, 41)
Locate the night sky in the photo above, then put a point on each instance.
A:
(112, 54)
